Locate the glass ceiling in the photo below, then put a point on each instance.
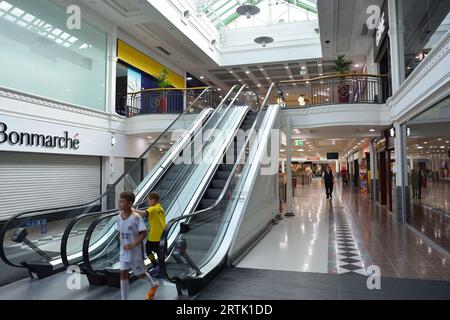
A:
(223, 15)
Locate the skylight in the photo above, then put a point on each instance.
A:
(223, 14)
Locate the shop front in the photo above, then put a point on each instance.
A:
(47, 165)
(385, 159)
(428, 152)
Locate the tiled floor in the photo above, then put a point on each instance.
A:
(254, 284)
(298, 244)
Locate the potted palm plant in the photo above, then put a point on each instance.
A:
(342, 66)
(163, 82)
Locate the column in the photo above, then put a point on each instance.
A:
(111, 67)
(289, 209)
(373, 170)
(397, 48)
(401, 179)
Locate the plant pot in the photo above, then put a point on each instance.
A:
(344, 93)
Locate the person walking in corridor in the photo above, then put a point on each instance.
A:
(328, 179)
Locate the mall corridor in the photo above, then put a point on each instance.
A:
(323, 252)
(345, 235)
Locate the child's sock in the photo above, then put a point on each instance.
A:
(149, 281)
(124, 286)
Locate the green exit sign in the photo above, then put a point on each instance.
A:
(299, 143)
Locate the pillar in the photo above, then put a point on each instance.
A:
(396, 43)
(289, 209)
(401, 179)
(111, 67)
(373, 170)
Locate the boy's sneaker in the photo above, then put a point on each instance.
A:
(151, 292)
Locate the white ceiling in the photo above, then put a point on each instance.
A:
(343, 23)
(338, 19)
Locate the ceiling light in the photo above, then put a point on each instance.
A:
(291, 77)
(320, 74)
(286, 67)
(149, 137)
(259, 85)
(248, 10)
(267, 78)
(303, 68)
(247, 72)
(231, 71)
(356, 65)
(189, 78)
(219, 89)
(440, 139)
(372, 130)
(202, 77)
(263, 40)
(261, 69)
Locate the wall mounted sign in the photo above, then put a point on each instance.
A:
(30, 139)
(299, 143)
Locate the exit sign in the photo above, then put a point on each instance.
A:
(299, 143)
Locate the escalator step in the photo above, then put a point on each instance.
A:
(206, 203)
(226, 167)
(218, 184)
(222, 175)
(213, 193)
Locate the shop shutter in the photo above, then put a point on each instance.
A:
(31, 181)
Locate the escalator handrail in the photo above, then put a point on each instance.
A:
(9, 222)
(74, 221)
(162, 250)
(93, 225)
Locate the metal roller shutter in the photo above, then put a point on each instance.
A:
(32, 181)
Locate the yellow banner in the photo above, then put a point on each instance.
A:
(137, 59)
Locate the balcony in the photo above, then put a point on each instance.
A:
(164, 101)
(333, 90)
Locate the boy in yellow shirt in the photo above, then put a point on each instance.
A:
(157, 222)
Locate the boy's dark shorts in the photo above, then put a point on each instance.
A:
(151, 246)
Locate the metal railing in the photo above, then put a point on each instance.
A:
(336, 89)
(164, 100)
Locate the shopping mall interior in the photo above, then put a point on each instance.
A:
(296, 145)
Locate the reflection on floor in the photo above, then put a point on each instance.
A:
(361, 234)
(431, 214)
(299, 243)
(436, 195)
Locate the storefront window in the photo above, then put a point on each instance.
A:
(429, 173)
(425, 23)
(46, 58)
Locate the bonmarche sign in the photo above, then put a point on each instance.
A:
(37, 140)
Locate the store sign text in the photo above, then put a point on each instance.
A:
(37, 140)
(381, 29)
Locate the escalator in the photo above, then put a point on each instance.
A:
(100, 246)
(195, 247)
(26, 244)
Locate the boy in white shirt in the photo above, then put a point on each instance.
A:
(132, 232)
